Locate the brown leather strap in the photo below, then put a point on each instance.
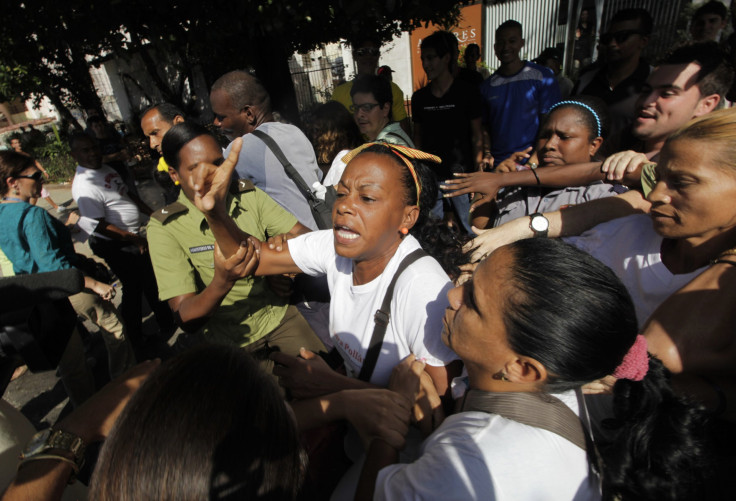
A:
(540, 410)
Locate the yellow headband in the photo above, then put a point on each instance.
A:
(404, 153)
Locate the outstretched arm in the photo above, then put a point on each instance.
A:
(571, 221)
(46, 479)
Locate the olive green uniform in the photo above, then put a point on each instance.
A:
(182, 251)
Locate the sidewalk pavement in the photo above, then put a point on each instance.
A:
(41, 397)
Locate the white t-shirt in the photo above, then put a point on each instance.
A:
(101, 193)
(632, 249)
(336, 169)
(476, 455)
(417, 306)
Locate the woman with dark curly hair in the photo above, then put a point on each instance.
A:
(333, 133)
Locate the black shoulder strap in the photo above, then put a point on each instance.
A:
(382, 317)
(288, 168)
(534, 409)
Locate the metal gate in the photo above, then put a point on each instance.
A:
(316, 74)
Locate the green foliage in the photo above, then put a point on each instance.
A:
(60, 167)
(44, 44)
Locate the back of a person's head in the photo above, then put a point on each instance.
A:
(244, 90)
(167, 111)
(373, 84)
(510, 24)
(208, 424)
(331, 128)
(715, 74)
(568, 311)
(713, 7)
(646, 23)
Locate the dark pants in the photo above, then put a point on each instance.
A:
(135, 271)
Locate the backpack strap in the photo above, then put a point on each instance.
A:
(382, 317)
(288, 168)
(540, 410)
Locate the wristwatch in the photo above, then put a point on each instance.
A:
(47, 440)
(539, 224)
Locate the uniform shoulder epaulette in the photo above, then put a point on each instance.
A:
(164, 214)
(241, 186)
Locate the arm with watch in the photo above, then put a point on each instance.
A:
(571, 221)
(53, 457)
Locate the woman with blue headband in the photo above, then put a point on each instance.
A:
(572, 133)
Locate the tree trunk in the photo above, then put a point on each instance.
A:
(271, 63)
(63, 110)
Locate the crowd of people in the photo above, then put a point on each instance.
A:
(523, 291)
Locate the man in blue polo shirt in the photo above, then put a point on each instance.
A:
(515, 97)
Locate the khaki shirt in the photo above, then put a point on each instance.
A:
(182, 251)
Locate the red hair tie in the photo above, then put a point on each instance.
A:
(635, 363)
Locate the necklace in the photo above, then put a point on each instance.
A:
(12, 199)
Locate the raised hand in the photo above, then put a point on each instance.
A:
(211, 182)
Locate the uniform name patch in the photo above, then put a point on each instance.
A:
(201, 248)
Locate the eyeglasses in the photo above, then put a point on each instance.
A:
(36, 176)
(368, 51)
(365, 108)
(619, 36)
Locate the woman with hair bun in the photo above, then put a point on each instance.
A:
(539, 320)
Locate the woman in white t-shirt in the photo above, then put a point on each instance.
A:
(381, 215)
(538, 320)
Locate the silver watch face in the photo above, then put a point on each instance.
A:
(539, 223)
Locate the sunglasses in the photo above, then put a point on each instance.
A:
(368, 52)
(36, 176)
(619, 36)
(366, 108)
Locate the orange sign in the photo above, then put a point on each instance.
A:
(467, 31)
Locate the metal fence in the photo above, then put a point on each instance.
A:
(316, 74)
(539, 20)
(665, 14)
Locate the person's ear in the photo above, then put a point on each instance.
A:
(411, 214)
(178, 119)
(249, 112)
(595, 145)
(706, 105)
(525, 370)
(174, 176)
(523, 42)
(386, 109)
